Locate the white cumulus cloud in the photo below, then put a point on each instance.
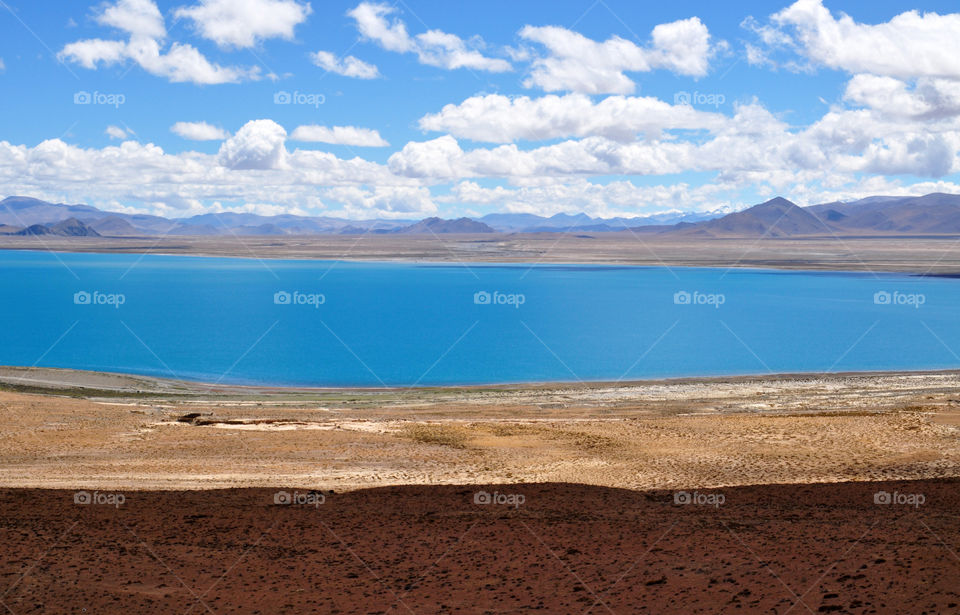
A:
(848, 153)
(434, 47)
(339, 135)
(498, 119)
(142, 22)
(145, 178)
(371, 19)
(387, 201)
(617, 198)
(199, 131)
(244, 23)
(579, 64)
(115, 132)
(258, 145)
(135, 17)
(348, 66)
(751, 146)
(910, 45)
(925, 99)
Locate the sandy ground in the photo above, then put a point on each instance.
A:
(438, 549)
(691, 496)
(155, 434)
(934, 255)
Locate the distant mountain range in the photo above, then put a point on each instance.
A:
(531, 223)
(933, 214)
(71, 227)
(19, 212)
(879, 215)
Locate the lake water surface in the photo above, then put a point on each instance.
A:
(326, 323)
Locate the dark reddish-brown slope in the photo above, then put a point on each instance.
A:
(418, 549)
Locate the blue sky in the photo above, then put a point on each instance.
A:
(410, 109)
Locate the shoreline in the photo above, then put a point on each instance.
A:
(811, 268)
(87, 379)
(927, 255)
(405, 260)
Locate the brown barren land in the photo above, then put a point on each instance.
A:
(68, 429)
(566, 548)
(375, 501)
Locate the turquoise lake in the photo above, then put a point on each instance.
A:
(325, 323)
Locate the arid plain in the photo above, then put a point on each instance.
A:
(67, 429)
(826, 493)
